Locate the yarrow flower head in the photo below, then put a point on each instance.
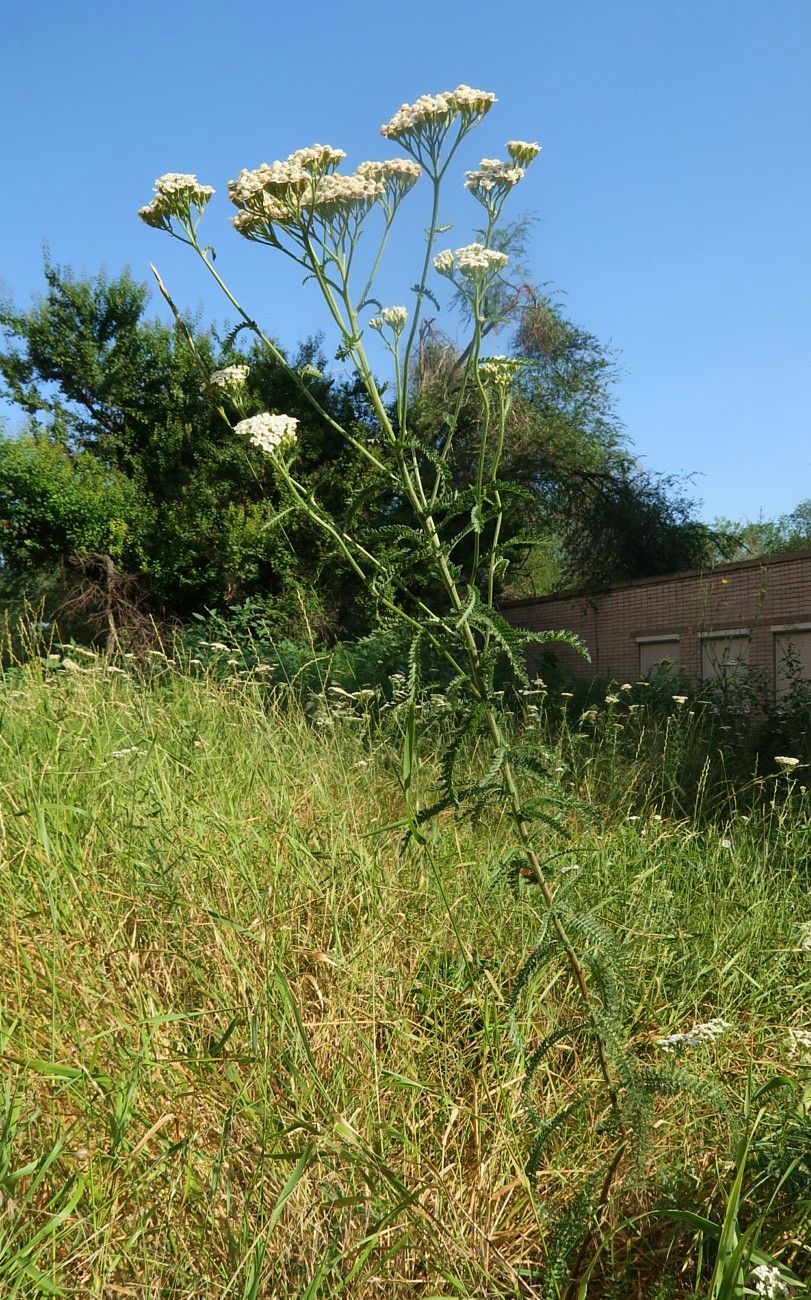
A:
(703, 1033)
(769, 1282)
(799, 1040)
(785, 761)
(472, 261)
(176, 193)
(229, 378)
(397, 175)
(522, 153)
(424, 124)
(394, 317)
(304, 186)
(493, 182)
(679, 699)
(500, 371)
(270, 433)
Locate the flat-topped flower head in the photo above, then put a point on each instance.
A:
(786, 761)
(318, 159)
(270, 433)
(229, 378)
(500, 371)
(394, 317)
(769, 1282)
(424, 124)
(492, 182)
(176, 193)
(397, 175)
(703, 1033)
(522, 152)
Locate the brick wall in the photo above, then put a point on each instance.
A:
(744, 612)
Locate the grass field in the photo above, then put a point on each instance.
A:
(252, 1049)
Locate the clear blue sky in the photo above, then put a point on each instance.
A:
(673, 192)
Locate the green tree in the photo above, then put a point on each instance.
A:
(124, 454)
(754, 537)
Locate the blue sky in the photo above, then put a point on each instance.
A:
(672, 196)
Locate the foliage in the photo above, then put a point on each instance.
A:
(125, 455)
(244, 1038)
(753, 537)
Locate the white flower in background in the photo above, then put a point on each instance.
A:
(522, 152)
(768, 1282)
(230, 377)
(785, 761)
(493, 181)
(176, 193)
(317, 159)
(626, 686)
(799, 1040)
(703, 1033)
(725, 844)
(679, 699)
(612, 699)
(805, 936)
(500, 371)
(269, 433)
(394, 317)
(473, 261)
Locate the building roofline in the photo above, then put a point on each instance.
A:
(733, 566)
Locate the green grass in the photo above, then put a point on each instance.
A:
(251, 1049)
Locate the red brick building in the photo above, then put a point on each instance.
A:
(752, 613)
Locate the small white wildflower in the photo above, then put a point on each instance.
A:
(567, 695)
(394, 317)
(493, 180)
(522, 152)
(703, 1033)
(726, 844)
(500, 371)
(679, 699)
(768, 1282)
(436, 112)
(612, 699)
(805, 936)
(229, 378)
(626, 686)
(72, 665)
(121, 753)
(176, 193)
(270, 433)
(785, 761)
(217, 645)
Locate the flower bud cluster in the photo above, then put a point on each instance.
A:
(704, 1033)
(769, 1282)
(269, 433)
(473, 261)
(500, 371)
(305, 185)
(176, 193)
(394, 317)
(522, 152)
(229, 378)
(493, 181)
(431, 111)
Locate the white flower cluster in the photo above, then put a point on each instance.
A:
(398, 176)
(470, 260)
(805, 936)
(500, 371)
(493, 180)
(704, 1033)
(522, 152)
(785, 761)
(394, 317)
(438, 111)
(290, 193)
(269, 433)
(799, 1040)
(175, 194)
(229, 377)
(768, 1282)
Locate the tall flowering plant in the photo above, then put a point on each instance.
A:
(322, 218)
